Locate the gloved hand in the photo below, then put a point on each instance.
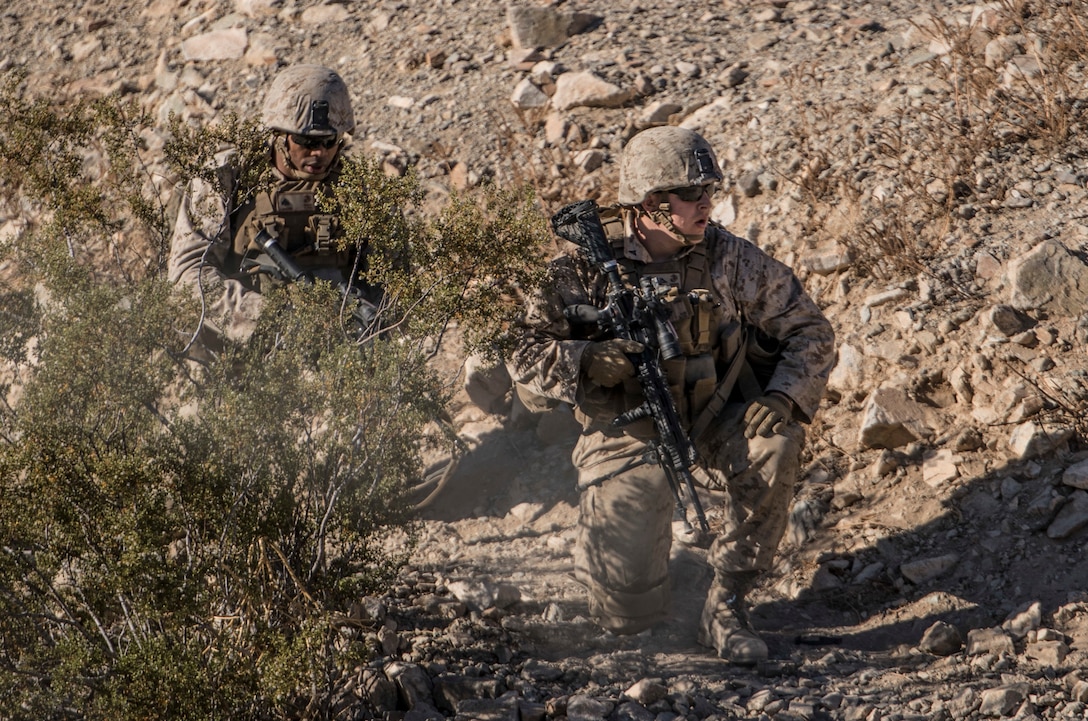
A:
(767, 415)
(606, 362)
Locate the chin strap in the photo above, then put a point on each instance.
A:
(663, 217)
(279, 148)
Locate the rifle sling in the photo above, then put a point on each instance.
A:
(738, 371)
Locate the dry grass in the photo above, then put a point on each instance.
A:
(1007, 86)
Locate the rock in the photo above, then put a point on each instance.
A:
(413, 683)
(527, 95)
(524, 58)
(588, 708)
(584, 89)
(939, 467)
(216, 45)
(1021, 68)
(647, 691)
(849, 372)
(749, 184)
(258, 8)
(724, 211)
(389, 641)
(941, 639)
(1049, 277)
(538, 671)
(631, 711)
(555, 128)
(506, 595)
(532, 711)
(1028, 440)
(488, 383)
(477, 594)
(451, 691)
(264, 50)
(688, 70)
(1047, 653)
(658, 113)
(400, 101)
(1001, 701)
(377, 690)
(325, 14)
(1076, 475)
(1008, 320)
(759, 41)
(424, 712)
(1072, 517)
(828, 260)
(86, 48)
(537, 26)
(988, 640)
(504, 708)
(707, 114)
(545, 72)
(1000, 50)
(733, 76)
(890, 420)
(1020, 623)
(589, 160)
(924, 570)
(847, 492)
(892, 295)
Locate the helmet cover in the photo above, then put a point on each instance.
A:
(665, 157)
(308, 100)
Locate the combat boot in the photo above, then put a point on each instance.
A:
(724, 624)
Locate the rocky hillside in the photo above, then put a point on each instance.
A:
(921, 165)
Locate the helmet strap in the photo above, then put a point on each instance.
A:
(663, 217)
(281, 158)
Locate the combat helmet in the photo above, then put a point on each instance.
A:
(665, 157)
(308, 100)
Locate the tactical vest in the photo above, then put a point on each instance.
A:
(289, 213)
(707, 341)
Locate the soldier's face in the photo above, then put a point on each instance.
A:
(312, 154)
(690, 216)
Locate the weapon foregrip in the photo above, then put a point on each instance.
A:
(282, 259)
(582, 314)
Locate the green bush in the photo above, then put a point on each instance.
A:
(179, 539)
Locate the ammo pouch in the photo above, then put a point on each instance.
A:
(289, 214)
(696, 317)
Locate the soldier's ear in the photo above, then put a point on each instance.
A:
(651, 202)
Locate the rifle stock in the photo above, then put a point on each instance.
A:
(638, 315)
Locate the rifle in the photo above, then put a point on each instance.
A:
(637, 314)
(363, 311)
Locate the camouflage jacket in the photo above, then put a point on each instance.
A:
(751, 289)
(200, 250)
(205, 256)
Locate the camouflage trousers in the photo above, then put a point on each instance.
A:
(626, 512)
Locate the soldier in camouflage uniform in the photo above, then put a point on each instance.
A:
(309, 117)
(756, 355)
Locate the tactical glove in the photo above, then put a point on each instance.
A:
(606, 363)
(767, 415)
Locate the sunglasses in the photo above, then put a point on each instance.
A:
(312, 142)
(692, 193)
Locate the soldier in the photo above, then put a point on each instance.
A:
(731, 302)
(214, 248)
